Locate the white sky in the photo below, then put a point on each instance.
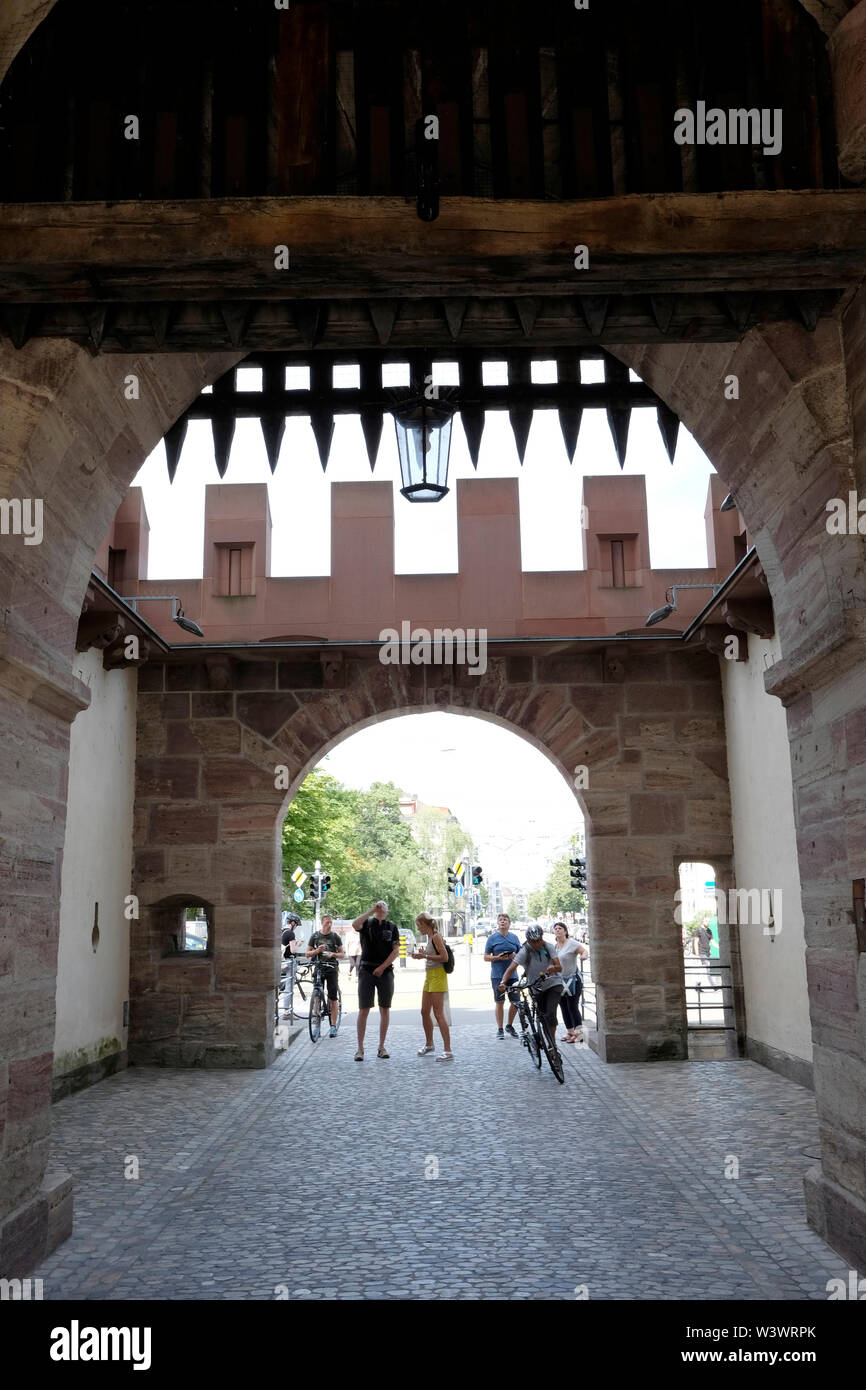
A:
(517, 805)
(519, 808)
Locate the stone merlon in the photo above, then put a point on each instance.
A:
(238, 600)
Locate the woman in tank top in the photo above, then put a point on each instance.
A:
(435, 993)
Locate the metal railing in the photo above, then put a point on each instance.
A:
(709, 995)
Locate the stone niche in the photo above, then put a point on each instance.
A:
(184, 1010)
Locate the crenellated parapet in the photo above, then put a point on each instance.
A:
(611, 589)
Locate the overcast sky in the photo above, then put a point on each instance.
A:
(517, 805)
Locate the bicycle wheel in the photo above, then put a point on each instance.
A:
(339, 1008)
(318, 1007)
(551, 1052)
(529, 1037)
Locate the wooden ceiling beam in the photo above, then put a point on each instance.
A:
(346, 247)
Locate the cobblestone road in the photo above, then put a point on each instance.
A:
(312, 1175)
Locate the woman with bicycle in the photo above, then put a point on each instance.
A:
(541, 968)
(570, 953)
(434, 996)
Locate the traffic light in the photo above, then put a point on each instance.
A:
(578, 873)
(314, 888)
(477, 876)
(453, 880)
(326, 883)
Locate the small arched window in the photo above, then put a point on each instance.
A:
(185, 926)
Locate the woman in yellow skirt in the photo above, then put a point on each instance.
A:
(435, 993)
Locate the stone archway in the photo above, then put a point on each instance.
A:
(221, 738)
(70, 436)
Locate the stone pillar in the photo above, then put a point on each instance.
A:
(36, 708)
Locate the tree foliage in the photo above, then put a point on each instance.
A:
(370, 848)
(557, 896)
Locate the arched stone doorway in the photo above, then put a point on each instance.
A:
(65, 404)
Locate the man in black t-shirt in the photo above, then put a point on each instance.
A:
(327, 946)
(380, 946)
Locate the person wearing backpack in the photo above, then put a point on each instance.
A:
(434, 997)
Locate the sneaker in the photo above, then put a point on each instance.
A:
(333, 1031)
(422, 1051)
(446, 1057)
(510, 1030)
(359, 1055)
(382, 1053)
(500, 1033)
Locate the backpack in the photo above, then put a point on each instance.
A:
(449, 964)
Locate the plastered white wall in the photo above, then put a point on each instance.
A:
(765, 852)
(97, 868)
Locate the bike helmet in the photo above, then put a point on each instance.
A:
(292, 920)
(534, 934)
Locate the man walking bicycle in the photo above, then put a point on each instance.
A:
(328, 945)
(380, 947)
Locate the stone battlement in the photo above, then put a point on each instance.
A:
(238, 600)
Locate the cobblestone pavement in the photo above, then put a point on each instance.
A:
(311, 1176)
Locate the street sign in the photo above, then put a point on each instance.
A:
(298, 895)
(457, 868)
(298, 876)
(458, 890)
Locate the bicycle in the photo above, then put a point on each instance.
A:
(533, 1032)
(294, 974)
(319, 1004)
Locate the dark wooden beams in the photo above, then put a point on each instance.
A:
(222, 250)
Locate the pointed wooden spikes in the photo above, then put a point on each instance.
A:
(18, 323)
(371, 423)
(173, 444)
(569, 422)
(527, 312)
(662, 306)
(594, 309)
(273, 429)
(235, 314)
(455, 312)
(310, 319)
(159, 316)
(809, 304)
(619, 421)
(473, 427)
(669, 426)
(521, 423)
(96, 319)
(383, 313)
(322, 422)
(223, 429)
(739, 308)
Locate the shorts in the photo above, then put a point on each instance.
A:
(330, 980)
(436, 981)
(380, 985)
(509, 991)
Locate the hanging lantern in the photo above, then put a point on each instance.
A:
(424, 443)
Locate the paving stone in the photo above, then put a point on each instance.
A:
(312, 1174)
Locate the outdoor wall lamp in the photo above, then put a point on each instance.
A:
(659, 614)
(729, 503)
(177, 615)
(424, 443)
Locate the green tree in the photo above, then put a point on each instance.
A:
(320, 824)
(513, 911)
(559, 895)
(537, 903)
